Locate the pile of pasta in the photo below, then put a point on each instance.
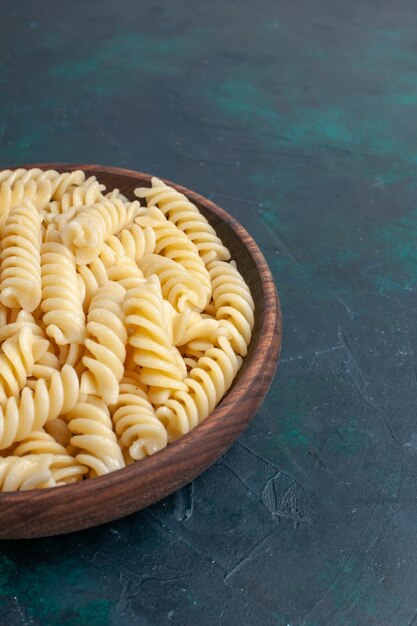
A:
(122, 325)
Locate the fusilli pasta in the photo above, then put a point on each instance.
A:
(121, 326)
(233, 303)
(20, 281)
(138, 429)
(64, 468)
(161, 364)
(86, 233)
(28, 472)
(105, 344)
(93, 434)
(174, 244)
(39, 402)
(185, 215)
(63, 314)
(19, 355)
(206, 385)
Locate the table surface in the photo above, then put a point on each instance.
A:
(299, 119)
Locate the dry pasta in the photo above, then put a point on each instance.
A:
(161, 366)
(121, 326)
(139, 431)
(105, 344)
(20, 280)
(63, 314)
(92, 225)
(185, 215)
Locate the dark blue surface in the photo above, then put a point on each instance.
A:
(299, 118)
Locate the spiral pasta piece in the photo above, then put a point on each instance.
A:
(64, 468)
(206, 385)
(200, 334)
(126, 273)
(65, 182)
(34, 184)
(161, 363)
(22, 175)
(138, 429)
(60, 184)
(186, 216)
(93, 434)
(71, 354)
(20, 353)
(86, 233)
(86, 194)
(174, 244)
(38, 403)
(233, 302)
(23, 320)
(134, 242)
(179, 287)
(28, 472)
(19, 193)
(105, 344)
(63, 314)
(111, 264)
(93, 276)
(177, 322)
(115, 194)
(20, 281)
(46, 365)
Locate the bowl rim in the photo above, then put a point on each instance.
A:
(255, 369)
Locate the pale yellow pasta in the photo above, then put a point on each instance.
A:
(60, 182)
(134, 242)
(23, 320)
(20, 280)
(64, 183)
(28, 472)
(139, 431)
(200, 334)
(206, 385)
(179, 287)
(186, 216)
(162, 367)
(19, 193)
(64, 468)
(93, 435)
(71, 354)
(38, 402)
(19, 355)
(121, 326)
(63, 314)
(86, 233)
(233, 303)
(46, 365)
(92, 276)
(89, 192)
(174, 244)
(177, 322)
(36, 185)
(126, 273)
(50, 233)
(105, 344)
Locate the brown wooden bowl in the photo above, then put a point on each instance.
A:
(39, 513)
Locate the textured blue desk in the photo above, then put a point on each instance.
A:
(300, 119)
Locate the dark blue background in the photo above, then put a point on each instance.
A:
(299, 118)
